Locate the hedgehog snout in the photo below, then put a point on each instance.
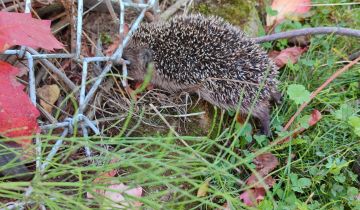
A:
(139, 59)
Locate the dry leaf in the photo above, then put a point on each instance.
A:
(226, 206)
(116, 191)
(49, 95)
(290, 54)
(112, 48)
(252, 180)
(315, 117)
(204, 120)
(253, 196)
(116, 194)
(285, 8)
(103, 178)
(265, 163)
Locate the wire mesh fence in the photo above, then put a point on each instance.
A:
(84, 97)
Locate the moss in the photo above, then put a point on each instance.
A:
(235, 11)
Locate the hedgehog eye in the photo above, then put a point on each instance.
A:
(125, 57)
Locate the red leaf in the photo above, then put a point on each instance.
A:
(253, 196)
(252, 180)
(17, 114)
(22, 29)
(315, 117)
(286, 8)
(291, 55)
(265, 163)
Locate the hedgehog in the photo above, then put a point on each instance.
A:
(210, 57)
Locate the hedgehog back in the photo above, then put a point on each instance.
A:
(194, 49)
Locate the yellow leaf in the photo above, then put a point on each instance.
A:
(203, 189)
(49, 94)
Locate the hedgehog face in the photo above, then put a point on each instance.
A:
(139, 58)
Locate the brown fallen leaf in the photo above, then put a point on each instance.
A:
(102, 178)
(290, 54)
(49, 95)
(112, 48)
(287, 9)
(226, 206)
(205, 119)
(265, 163)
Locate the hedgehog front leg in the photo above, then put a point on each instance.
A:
(262, 115)
(276, 97)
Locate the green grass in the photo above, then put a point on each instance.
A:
(314, 170)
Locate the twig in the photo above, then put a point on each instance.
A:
(172, 9)
(13, 7)
(185, 115)
(317, 91)
(308, 31)
(55, 70)
(354, 56)
(111, 10)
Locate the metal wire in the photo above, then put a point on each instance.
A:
(84, 98)
(79, 27)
